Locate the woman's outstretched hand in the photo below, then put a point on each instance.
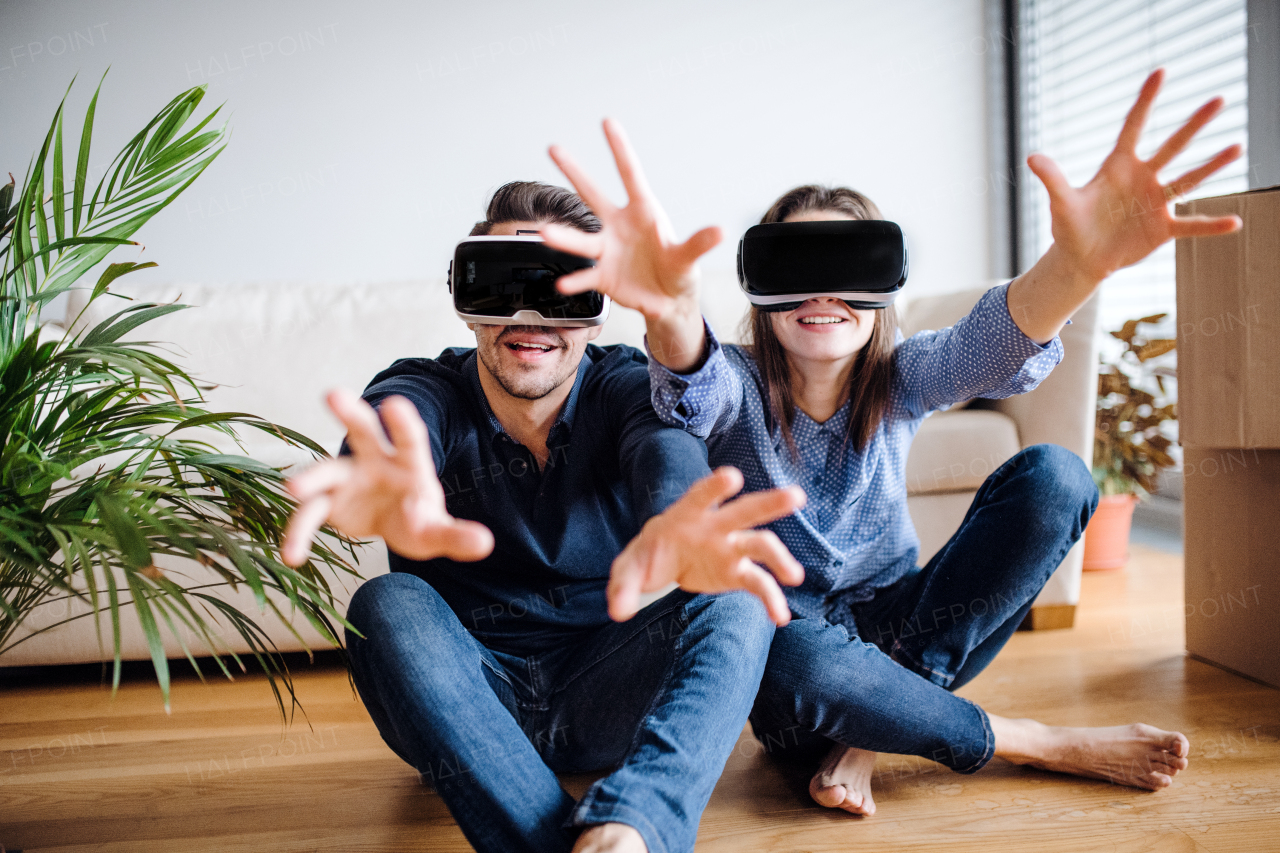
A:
(703, 544)
(1122, 214)
(639, 263)
(386, 489)
(1118, 218)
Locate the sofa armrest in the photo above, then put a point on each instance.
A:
(1062, 409)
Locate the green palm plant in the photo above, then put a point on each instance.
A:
(105, 462)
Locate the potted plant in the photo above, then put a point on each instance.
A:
(104, 459)
(1130, 443)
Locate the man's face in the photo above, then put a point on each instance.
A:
(530, 362)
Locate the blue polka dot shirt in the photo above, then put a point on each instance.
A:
(854, 535)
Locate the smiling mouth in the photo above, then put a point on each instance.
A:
(821, 321)
(520, 346)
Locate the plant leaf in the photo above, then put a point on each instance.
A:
(129, 537)
(82, 160)
(113, 272)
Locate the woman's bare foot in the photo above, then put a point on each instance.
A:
(610, 838)
(843, 780)
(1139, 755)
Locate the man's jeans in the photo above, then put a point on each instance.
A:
(662, 698)
(883, 683)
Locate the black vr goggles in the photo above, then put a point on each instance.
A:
(507, 281)
(863, 262)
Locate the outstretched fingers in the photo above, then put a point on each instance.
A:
(465, 541)
(319, 478)
(764, 548)
(1203, 226)
(364, 430)
(626, 582)
(586, 188)
(760, 508)
(1050, 175)
(304, 524)
(713, 489)
(580, 282)
(572, 240)
(1136, 120)
(1191, 179)
(1174, 145)
(761, 584)
(408, 434)
(625, 157)
(698, 245)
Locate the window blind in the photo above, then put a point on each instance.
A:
(1082, 62)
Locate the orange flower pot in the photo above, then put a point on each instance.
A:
(1106, 539)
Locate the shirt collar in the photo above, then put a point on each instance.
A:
(563, 423)
(834, 424)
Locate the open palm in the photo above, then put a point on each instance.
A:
(1122, 215)
(639, 263)
(706, 545)
(382, 489)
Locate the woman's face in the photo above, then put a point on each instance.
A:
(823, 329)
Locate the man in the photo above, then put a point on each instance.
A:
(514, 475)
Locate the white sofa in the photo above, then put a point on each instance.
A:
(273, 350)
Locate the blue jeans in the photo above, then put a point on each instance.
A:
(882, 680)
(660, 698)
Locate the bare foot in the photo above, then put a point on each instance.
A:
(843, 780)
(1139, 755)
(610, 838)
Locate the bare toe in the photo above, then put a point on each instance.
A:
(830, 796)
(1153, 781)
(843, 781)
(1177, 744)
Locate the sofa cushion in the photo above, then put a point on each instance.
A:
(955, 451)
(936, 311)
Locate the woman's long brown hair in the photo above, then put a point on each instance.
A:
(871, 380)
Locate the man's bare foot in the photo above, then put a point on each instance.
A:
(610, 838)
(843, 780)
(1139, 755)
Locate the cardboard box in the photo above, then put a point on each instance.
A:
(1231, 505)
(1229, 326)
(1229, 426)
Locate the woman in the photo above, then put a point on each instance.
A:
(827, 396)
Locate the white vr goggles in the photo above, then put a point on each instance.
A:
(509, 281)
(862, 261)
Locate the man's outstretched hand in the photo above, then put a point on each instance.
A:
(703, 544)
(381, 489)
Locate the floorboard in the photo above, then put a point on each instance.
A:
(81, 771)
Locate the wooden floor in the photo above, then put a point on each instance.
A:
(80, 772)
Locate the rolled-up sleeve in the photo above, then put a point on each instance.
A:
(704, 402)
(984, 355)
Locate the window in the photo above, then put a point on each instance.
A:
(1081, 63)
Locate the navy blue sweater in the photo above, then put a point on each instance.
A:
(613, 464)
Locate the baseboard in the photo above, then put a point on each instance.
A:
(1049, 617)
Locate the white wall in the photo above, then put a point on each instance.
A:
(368, 135)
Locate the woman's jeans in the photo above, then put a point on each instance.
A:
(661, 698)
(884, 682)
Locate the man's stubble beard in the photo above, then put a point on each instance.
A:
(519, 385)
